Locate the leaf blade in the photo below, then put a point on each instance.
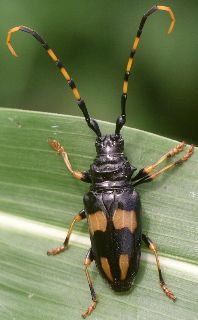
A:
(36, 186)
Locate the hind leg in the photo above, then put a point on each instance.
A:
(88, 260)
(153, 248)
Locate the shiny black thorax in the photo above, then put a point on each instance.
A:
(111, 190)
(110, 169)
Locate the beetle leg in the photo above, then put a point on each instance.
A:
(171, 153)
(144, 176)
(153, 248)
(88, 260)
(78, 217)
(83, 176)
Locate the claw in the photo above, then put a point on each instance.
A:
(168, 292)
(188, 153)
(56, 146)
(56, 251)
(176, 149)
(89, 310)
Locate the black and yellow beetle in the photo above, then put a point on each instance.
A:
(112, 206)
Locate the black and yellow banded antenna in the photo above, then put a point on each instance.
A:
(92, 123)
(122, 119)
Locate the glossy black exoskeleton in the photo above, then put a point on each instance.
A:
(112, 205)
(113, 209)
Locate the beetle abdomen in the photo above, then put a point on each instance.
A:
(115, 233)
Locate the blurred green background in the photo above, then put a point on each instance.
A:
(93, 39)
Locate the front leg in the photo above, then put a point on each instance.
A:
(146, 175)
(83, 176)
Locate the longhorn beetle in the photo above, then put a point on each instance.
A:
(112, 205)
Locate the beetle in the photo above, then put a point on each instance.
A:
(112, 206)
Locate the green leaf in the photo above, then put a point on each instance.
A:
(38, 199)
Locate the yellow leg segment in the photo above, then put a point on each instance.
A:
(80, 216)
(174, 164)
(153, 248)
(144, 174)
(171, 153)
(87, 263)
(57, 146)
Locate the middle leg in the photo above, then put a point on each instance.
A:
(78, 217)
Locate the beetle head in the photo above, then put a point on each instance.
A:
(109, 144)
